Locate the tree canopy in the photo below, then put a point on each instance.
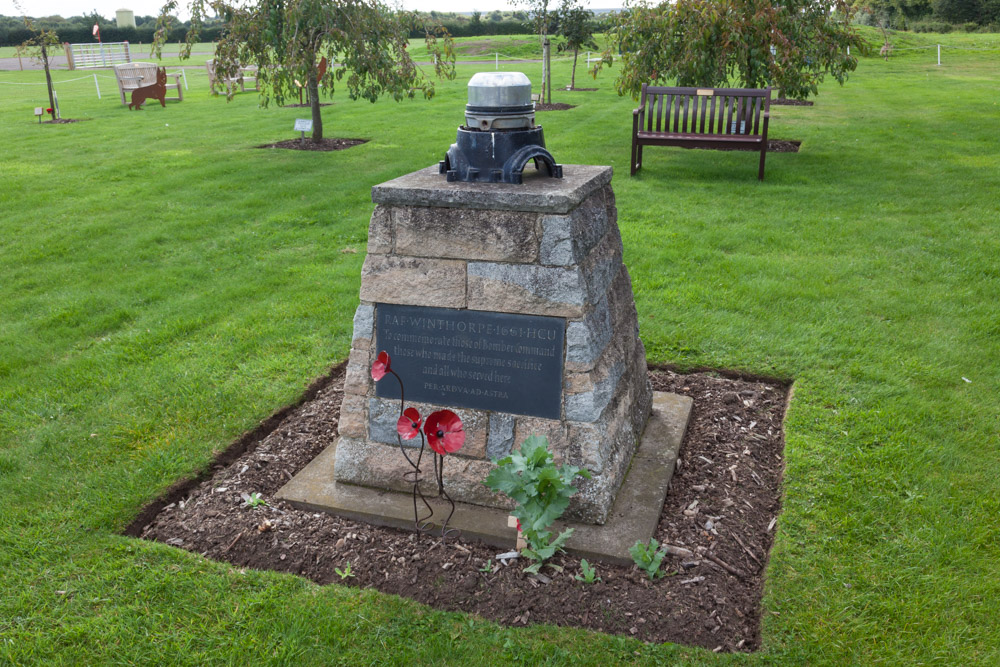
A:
(787, 44)
(363, 40)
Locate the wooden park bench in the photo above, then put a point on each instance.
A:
(136, 75)
(247, 77)
(716, 118)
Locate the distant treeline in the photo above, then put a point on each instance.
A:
(77, 29)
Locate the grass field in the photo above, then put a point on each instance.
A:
(166, 286)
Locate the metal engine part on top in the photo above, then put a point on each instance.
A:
(499, 101)
(500, 135)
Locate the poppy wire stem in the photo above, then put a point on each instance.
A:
(420, 523)
(439, 471)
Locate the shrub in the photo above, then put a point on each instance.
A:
(933, 26)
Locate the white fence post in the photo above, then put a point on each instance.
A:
(97, 85)
(939, 55)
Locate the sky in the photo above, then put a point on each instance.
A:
(107, 8)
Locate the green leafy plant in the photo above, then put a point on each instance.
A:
(345, 573)
(588, 573)
(489, 567)
(541, 490)
(253, 500)
(647, 557)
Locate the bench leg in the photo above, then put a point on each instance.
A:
(763, 154)
(632, 167)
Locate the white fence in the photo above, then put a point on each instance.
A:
(83, 56)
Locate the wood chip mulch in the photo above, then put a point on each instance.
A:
(723, 506)
(785, 101)
(555, 106)
(326, 144)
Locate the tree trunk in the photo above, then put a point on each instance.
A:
(48, 80)
(572, 78)
(313, 91)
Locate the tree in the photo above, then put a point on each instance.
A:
(577, 28)
(41, 40)
(541, 20)
(788, 44)
(362, 39)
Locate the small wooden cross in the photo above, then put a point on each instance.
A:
(512, 523)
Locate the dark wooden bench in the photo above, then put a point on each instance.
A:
(716, 118)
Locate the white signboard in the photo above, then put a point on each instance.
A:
(303, 125)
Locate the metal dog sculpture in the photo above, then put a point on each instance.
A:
(157, 91)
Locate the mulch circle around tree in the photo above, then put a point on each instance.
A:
(555, 106)
(785, 101)
(303, 106)
(723, 505)
(63, 121)
(783, 146)
(326, 144)
(580, 90)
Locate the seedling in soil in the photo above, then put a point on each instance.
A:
(648, 557)
(253, 500)
(489, 567)
(345, 573)
(588, 573)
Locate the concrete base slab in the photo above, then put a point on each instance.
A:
(633, 517)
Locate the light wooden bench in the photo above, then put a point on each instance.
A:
(136, 75)
(715, 118)
(247, 76)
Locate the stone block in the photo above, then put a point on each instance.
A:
(353, 416)
(415, 281)
(382, 466)
(500, 441)
(358, 379)
(380, 231)
(383, 414)
(556, 431)
(587, 338)
(364, 322)
(567, 239)
(496, 236)
(527, 289)
(427, 187)
(589, 405)
(603, 264)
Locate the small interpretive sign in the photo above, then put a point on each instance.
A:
(303, 125)
(474, 359)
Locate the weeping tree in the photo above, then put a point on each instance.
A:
(363, 40)
(576, 27)
(787, 44)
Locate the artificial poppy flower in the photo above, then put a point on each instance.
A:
(381, 366)
(408, 425)
(444, 432)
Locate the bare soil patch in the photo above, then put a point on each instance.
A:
(63, 121)
(785, 101)
(305, 106)
(326, 144)
(723, 505)
(555, 106)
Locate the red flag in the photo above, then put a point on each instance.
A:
(97, 32)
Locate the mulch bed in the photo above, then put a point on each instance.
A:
(63, 121)
(326, 144)
(556, 106)
(303, 106)
(782, 146)
(723, 505)
(580, 90)
(785, 101)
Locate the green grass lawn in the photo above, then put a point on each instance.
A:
(166, 286)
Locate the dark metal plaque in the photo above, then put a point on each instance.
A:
(473, 359)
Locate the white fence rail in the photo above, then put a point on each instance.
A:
(83, 56)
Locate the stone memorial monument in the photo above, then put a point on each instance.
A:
(499, 294)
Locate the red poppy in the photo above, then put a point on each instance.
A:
(408, 425)
(381, 366)
(48, 111)
(444, 432)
